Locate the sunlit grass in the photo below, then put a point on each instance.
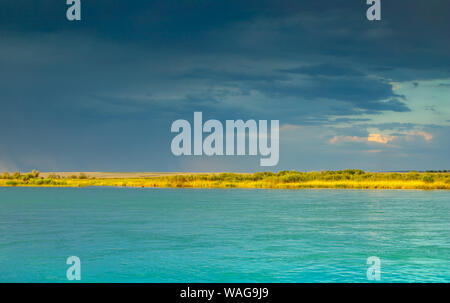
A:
(347, 179)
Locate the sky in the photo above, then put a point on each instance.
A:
(100, 94)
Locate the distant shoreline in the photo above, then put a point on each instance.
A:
(346, 179)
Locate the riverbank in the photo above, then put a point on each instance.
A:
(347, 179)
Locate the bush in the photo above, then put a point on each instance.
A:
(428, 179)
(35, 174)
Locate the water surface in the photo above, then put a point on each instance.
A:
(223, 235)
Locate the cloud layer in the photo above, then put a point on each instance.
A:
(101, 94)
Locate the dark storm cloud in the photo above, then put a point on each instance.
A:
(368, 95)
(323, 70)
(345, 91)
(129, 68)
(224, 76)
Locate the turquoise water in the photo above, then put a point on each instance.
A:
(223, 235)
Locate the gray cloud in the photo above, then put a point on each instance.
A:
(323, 70)
(113, 83)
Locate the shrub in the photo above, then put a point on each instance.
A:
(428, 179)
(35, 174)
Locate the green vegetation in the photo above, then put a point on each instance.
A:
(29, 179)
(350, 178)
(18, 176)
(428, 179)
